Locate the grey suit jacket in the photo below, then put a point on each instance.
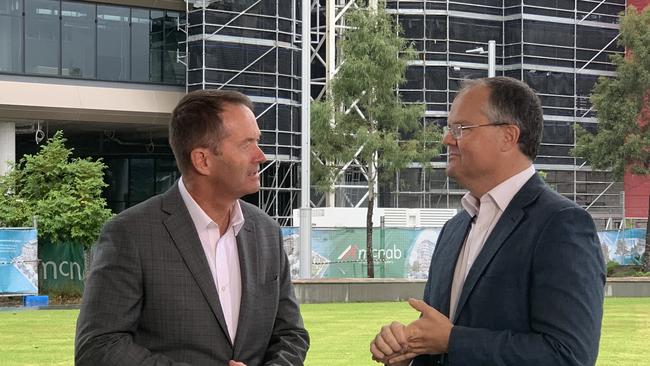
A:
(150, 298)
(533, 296)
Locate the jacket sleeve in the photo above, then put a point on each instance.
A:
(111, 304)
(289, 341)
(566, 303)
(429, 360)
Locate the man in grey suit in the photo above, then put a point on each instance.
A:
(195, 276)
(517, 276)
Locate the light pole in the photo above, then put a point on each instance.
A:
(305, 147)
(492, 56)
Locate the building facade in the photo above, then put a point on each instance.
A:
(559, 48)
(108, 73)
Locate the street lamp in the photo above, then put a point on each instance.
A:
(492, 55)
(305, 146)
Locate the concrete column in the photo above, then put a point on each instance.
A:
(7, 145)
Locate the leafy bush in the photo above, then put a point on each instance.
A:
(63, 194)
(611, 266)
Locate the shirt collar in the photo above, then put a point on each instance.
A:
(501, 195)
(201, 219)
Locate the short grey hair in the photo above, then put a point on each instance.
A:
(512, 101)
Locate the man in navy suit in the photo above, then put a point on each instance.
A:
(517, 276)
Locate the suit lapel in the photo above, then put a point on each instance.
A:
(181, 228)
(447, 263)
(248, 264)
(508, 222)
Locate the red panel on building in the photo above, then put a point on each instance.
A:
(637, 189)
(639, 4)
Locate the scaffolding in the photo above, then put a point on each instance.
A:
(254, 47)
(558, 48)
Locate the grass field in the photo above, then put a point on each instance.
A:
(340, 333)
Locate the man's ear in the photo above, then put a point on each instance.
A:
(510, 137)
(200, 158)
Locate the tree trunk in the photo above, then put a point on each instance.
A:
(369, 258)
(372, 176)
(646, 253)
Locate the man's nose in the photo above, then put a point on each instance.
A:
(261, 157)
(448, 139)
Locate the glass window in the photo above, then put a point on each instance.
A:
(141, 179)
(156, 45)
(173, 72)
(166, 174)
(414, 78)
(513, 31)
(42, 37)
(113, 46)
(548, 33)
(436, 27)
(11, 40)
(585, 84)
(140, 33)
(558, 132)
(597, 38)
(78, 39)
(436, 78)
(412, 26)
(552, 4)
(474, 30)
(116, 177)
(550, 82)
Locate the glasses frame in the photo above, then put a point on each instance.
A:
(456, 129)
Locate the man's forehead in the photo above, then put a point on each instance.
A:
(469, 101)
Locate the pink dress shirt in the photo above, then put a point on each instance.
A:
(222, 255)
(486, 213)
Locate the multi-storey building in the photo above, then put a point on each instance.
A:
(559, 48)
(108, 73)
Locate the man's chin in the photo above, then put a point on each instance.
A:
(253, 189)
(450, 171)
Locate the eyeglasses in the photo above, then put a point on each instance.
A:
(456, 130)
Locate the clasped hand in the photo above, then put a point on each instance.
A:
(397, 344)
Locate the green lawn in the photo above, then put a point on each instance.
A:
(340, 333)
(37, 337)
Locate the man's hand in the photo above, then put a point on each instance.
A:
(391, 341)
(236, 363)
(427, 335)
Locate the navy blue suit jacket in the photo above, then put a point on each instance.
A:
(533, 296)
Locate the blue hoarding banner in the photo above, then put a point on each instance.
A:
(18, 261)
(623, 246)
(406, 252)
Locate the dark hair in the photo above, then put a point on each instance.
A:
(512, 101)
(196, 122)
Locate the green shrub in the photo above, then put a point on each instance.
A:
(611, 267)
(63, 193)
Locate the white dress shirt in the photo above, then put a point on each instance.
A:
(486, 213)
(222, 255)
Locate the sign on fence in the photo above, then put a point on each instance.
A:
(623, 246)
(341, 252)
(406, 252)
(18, 261)
(62, 268)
